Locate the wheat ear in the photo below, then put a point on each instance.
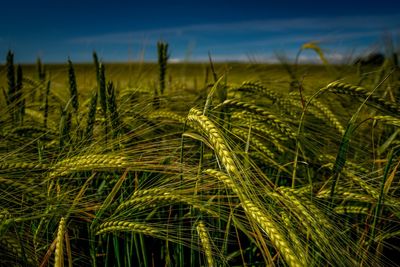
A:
(205, 242)
(59, 253)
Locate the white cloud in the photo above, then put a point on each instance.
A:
(255, 40)
(175, 60)
(338, 26)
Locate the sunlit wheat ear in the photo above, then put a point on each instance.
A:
(313, 46)
(277, 238)
(172, 116)
(341, 193)
(259, 145)
(259, 126)
(143, 201)
(314, 222)
(156, 198)
(25, 189)
(124, 226)
(389, 120)
(319, 51)
(10, 167)
(352, 210)
(329, 116)
(291, 230)
(302, 199)
(168, 115)
(322, 112)
(370, 189)
(205, 242)
(215, 139)
(59, 252)
(285, 103)
(253, 87)
(106, 162)
(89, 162)
(266, 223)
(355, 173)
(357, 91)
(265, 114)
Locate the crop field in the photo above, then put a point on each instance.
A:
(199, 164)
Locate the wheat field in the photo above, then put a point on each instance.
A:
(214, 164)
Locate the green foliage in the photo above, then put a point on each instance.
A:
(242, 172)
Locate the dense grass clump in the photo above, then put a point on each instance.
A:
(248, 170)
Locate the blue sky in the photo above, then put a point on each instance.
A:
(230, 30)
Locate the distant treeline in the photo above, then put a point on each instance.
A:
(376, 59)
